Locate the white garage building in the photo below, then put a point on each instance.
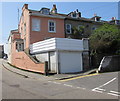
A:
(63, 55)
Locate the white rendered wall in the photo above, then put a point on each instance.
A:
(42, 57)
(9, 50)
(57, 44)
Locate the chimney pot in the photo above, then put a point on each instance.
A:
(113, 18)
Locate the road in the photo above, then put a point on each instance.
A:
(17, 87)
(103, 83)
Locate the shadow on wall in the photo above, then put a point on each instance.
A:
(110, 64)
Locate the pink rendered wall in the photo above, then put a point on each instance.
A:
(43, 33)
(21, 60)
(16, 36)
(25, 20)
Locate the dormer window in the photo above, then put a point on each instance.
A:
(45, 11)
(75, 14)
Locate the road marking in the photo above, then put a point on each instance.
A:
(49, 81)
(104, 85)
(97, 91)
(113, 94)
(80, 88)
(107, 82)
(80, 77)
(68, 85)
(100, 89)
(56, 82)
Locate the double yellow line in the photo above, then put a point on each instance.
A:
(80, 77)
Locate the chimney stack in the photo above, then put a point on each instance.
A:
(113, 18)
(78, 14)
(54, 9)
(25, 6)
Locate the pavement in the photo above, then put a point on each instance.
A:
(28, 74)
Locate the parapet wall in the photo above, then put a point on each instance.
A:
(21, 60)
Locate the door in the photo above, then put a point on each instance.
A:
(53, 62)
(70, 62)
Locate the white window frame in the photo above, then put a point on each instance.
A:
(19, 46)
(52, 26)
(69, 29)
(36, 24)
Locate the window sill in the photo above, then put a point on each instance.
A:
(69, 33)
(35, 31)
(52, 32)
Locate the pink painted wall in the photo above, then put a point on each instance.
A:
(16, 36)
(25, 20)
(43, 33)
(21, 60)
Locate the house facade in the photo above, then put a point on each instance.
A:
(36, 26)
(75, 22)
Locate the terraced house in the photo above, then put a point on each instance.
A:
(37, 26)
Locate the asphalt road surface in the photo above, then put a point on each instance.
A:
(106, 83)
(17, 87)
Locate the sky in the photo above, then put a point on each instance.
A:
(9, 12)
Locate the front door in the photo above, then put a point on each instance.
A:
(52, 62)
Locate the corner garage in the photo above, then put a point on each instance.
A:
(63, 55)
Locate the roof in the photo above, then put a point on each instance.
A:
(38, 13)
(62, 15)
(44, 8)
(13, 31)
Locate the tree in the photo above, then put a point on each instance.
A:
(106, 39)
(78, 32)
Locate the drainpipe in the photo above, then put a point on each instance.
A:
(46, 68)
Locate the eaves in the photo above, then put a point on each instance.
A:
(45, 15)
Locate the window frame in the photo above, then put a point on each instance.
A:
(19, 46)
(52, 26)
(69, 29)
(33, 26)
(25, 28)
(83, 28)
